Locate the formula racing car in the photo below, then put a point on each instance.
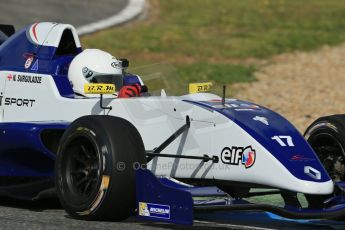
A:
(154, 155)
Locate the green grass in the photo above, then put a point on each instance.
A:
(176, 78)
(206, 37)
(221, 73)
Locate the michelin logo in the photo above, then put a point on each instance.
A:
(154, 210)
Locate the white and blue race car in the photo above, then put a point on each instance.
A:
(109, 158)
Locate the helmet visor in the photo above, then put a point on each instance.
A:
(95, 77)
(115, 79)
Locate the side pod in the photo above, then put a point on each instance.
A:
(158, 202)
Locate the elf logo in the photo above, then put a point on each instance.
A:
(236, 155)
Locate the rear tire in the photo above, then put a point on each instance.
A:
(95, 168)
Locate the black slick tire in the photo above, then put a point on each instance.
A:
(95, 168)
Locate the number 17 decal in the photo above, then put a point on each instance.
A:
(283, 140)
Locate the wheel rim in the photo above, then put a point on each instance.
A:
(83, 171)
(330, 153)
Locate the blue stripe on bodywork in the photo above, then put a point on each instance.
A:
(242, 113)
(177, 204)
(22, 152)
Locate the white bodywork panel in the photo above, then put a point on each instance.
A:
(156, 118)
(49, 33)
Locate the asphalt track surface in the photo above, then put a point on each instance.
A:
(21, 13)
(48, 214)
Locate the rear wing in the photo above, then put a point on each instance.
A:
(5, 32)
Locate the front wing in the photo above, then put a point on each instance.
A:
(166, 201)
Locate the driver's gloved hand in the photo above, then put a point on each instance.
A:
(129, 91)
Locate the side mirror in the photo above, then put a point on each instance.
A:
(200, 87)
(100, 89)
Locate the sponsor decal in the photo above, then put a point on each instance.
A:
(24, 78)
(284, 140)
(221, 106)
(96, 88)
(35, 66)
(239, 155)
(87, 73)
(28, 62)
(244, 109)
(220, 100)
(10, 77)
(313, 173)
(16, 101)
(301, 158)
(200, 87)
(261, 119)
(249, 106)
(85, 69)
(217, 104)
(154, 210)
(116, 65)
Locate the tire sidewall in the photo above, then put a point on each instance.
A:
(105, 159)
(331, 126)
(120, 147)
(328, 126)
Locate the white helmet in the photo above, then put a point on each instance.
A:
(95, 66)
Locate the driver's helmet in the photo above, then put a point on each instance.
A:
(94, 66)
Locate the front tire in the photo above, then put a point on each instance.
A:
(326, 136)
(95, 168)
